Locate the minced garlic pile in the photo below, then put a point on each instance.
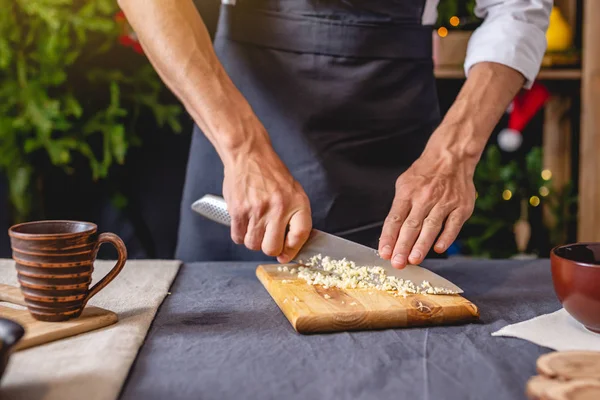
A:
(346, 274)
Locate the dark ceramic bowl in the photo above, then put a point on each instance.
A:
(576, 277)
(10, 334)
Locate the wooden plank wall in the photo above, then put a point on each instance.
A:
(589, 160)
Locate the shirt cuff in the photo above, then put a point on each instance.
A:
(513, 43)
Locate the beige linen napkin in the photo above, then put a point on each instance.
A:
(558, 331)
(93, 365)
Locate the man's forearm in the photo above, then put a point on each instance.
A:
(179, 47)
(483, 99)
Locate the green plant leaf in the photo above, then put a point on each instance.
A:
(72, 107)
(119, 201)
(119, 145)
(6, 53)
(32, 144)
(19, 179)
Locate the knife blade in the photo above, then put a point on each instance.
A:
(337, 248)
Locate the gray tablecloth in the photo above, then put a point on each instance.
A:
(220, 336)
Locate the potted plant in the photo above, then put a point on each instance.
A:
(70, 94)
(455, 23)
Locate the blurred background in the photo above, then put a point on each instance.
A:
(89, 132)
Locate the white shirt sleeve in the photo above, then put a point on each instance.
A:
(513, 33)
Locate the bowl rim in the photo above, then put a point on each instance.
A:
(583, 264)
(13, 230)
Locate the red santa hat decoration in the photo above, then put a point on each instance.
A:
(522, 109)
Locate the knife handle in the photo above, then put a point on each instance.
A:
(214, 208)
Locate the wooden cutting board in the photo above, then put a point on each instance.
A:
(314, 309)
(39, 332)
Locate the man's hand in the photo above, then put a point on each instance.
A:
(263, 199)
(261, 194)
(437, 190)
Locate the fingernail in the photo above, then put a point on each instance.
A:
(399, 259)
(415, 255)
(440, 246)
(386, 251)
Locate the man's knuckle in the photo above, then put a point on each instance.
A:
(277, 200)
(237, 239)
(469, 208)
(270, 250)
(393, 218)
(299, 234)
(412, 223)
(456, 218)
(238, 211)
(422, 244)
(236, 218)
(253, 246)
(386, 237)
(450, 203)
(401, 246)
(257, 210)
(252, 241)
(428, 192)
(301, 198)
(432, 222)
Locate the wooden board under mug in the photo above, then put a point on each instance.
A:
(310, 311)
(40, 332)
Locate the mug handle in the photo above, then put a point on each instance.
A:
(121, 249)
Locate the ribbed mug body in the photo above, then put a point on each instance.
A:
(54, 262)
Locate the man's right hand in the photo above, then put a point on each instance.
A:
(262, 196)
(263, 199)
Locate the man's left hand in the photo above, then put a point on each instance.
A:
(436, 191)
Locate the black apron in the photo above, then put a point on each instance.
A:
(346, 91)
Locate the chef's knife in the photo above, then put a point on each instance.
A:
(337, 248)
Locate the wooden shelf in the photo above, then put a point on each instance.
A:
(545, 73)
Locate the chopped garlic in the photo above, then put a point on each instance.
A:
(296, 299)
(293, 271)
(284, 268)
(353, 303)
(279, 269)
(285, 281)
(327, 296)
(346, 274)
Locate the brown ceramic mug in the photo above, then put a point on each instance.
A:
(55, 261)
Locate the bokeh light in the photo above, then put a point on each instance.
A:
(546, 174)
(534, 201)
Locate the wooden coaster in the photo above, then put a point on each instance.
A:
(569, 365)
(566, 375)
(40, 332)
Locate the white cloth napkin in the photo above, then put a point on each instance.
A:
(93, 365)
(558, 331)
